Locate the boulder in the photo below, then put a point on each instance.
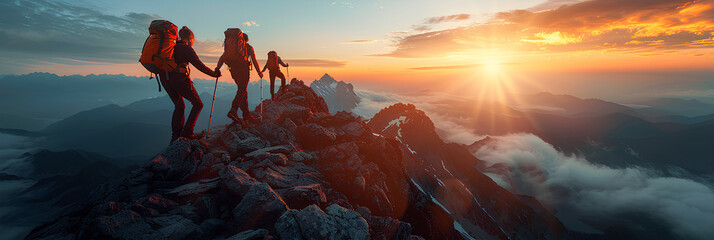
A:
(194, 188)
(302, 196)
(243, 146)
(258, 234)
(156, 202)
(125, 225)
(284, 149)
(312, 223)
(313, 137)
(260, 207)
(235, 181)
(174, 227)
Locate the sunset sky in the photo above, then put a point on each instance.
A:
(398, 44)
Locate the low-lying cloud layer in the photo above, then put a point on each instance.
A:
(633, 198)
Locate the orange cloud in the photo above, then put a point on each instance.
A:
(610, 25)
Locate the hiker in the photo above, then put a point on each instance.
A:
(238, 54)
(179, 86)
(273, 64)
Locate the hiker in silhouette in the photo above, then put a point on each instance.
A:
(179, 86)
(273, 64)
(240, 71)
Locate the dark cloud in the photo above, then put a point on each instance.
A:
(44, 30)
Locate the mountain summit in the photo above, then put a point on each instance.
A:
(302, 173)
(340, 96)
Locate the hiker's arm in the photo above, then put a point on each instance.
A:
(220, 61)
(280, 60)
(255, 62)
(193, 59)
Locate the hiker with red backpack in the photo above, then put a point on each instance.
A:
(238, 55)
(273, 64)
(176, 79)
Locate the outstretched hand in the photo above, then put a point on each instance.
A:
(287, 65)
(260, 74)
(217, 72)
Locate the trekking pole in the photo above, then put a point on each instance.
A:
(261, 99)
(288, 67)
(210, 116)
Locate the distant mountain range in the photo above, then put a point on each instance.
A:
(589, 126)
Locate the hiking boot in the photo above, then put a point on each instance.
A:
(193, 136)
(233, 116)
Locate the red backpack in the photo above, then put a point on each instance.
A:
(234, 46)
(272, 60)
(158, 51)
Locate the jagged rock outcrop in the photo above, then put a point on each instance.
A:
(297, 173)
(340, 96)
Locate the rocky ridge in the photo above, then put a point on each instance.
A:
(299, 173)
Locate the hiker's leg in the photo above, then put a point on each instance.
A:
(242, 82)
(235, 103)
(177, 100)
(272, 85)
(282, 81)
(189, 92)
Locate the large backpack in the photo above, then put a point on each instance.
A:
(272, 60)
(158, 51)
(234, 46)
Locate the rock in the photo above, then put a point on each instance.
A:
(159, 164)
(284, 149)
(179, 149)
(156, 202)
(260, 207)
(212, 227)
(274, 133)
(297, 174)
(258, 234)
(388, 228)
(194, 188)
(240, 147)
(236, 181)
(313, 137)
(302, 196)
(174, 227)
(290, 125)
(313, 223)
(278, 159)
(360, 183)
(207, 166)
(125, 225)
(207, 207)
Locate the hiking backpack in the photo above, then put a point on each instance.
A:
(158, 51)
(234, 46)
(272, 60)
